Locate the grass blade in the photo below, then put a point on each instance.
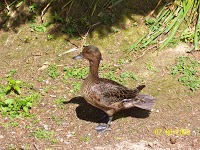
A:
(179, 22)
(196, 44)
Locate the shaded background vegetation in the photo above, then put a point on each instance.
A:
(75, 17)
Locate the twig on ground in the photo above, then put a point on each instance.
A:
(7, 6)
(44, 10)
(36, 147)
(145, 52)
(69, 51)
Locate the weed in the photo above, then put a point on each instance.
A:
(33, 8)
(18, 106)
(187, 69)
(41, 79)
(28, 127)
(13, 85)
(12, 72)
(50, 37)
(60, 102)
(188, 35)
(129, 75)
(40, 28)
(150, 67)
(43, 134)
(169, 21)
(75, 72)
(57, 18)
(149, 21)
(9, 124)
(53, 71)
(13, 105)
(69, 30)
(58, 120)
(46, 89)
(76, 87)
(85, 138)
(109, 71)
(14, 124)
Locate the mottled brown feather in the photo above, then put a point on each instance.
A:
(106, 94)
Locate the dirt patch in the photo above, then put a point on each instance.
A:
(172, 124)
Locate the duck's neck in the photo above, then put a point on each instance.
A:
(94, 66)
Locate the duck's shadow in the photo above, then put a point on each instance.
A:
(87, 112)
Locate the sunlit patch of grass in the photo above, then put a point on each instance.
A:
(111, 72)
(53, 71)
(108, 71)
(86, 138)
(75, 73)
(188, 73)
(60, 102)
(58, 120)
(16, 98)
(44, 134)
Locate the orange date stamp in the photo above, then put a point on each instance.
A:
(170, 132)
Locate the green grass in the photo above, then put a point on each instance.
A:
(150, 67)
(13, 85)
(86, 138)
(39, 28)
(44, 134)
(53, 71)
(18, 106)
(108, 71)
(187, 36)
(176, 18)
(75, 73)
(60, 102)
(58, 120)
(187, 70)
(16, 97)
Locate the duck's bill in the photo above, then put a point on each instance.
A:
(80, 56)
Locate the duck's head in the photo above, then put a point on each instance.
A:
(90, 53)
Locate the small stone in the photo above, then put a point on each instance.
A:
(46, 127)
(173, 140)
(54, 96)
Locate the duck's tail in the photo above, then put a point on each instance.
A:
(145, 102)
(142, 101)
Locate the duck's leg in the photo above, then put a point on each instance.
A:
(104, 118)
(104, 127)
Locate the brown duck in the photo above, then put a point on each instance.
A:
(109, 95)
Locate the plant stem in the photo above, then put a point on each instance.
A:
(196, 44)
(185, 10)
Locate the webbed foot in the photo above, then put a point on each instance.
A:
(102, 127)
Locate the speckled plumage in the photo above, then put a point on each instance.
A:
(106, 94)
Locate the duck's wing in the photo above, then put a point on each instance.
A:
(109, 91)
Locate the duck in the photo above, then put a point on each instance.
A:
(106, 94)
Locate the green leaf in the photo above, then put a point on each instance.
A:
(9, 101)
(25, 108)
(8, 88)
(19, 4)
(11, 81)
(18, 82)
(17, 88)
